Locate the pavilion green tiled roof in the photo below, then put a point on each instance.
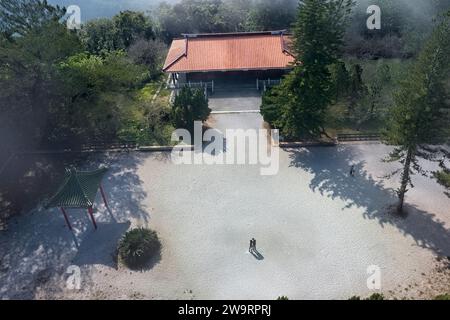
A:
(78, 190)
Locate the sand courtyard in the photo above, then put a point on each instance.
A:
(317, 229)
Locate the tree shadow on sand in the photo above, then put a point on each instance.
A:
(123, 186)
(38, 247)
(331, 178)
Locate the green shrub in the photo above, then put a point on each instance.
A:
(282, 298)
(443, 297)
(376, 296)
(138, 246)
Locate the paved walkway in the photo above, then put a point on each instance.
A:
(235, 108)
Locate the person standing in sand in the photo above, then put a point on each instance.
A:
(254, 244)
(250, 249)
(352, 170)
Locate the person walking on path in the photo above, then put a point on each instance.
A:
(250, 248)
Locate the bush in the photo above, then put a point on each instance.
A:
(374, 296)
(138, 246)
(190, 105)
(442, 297)
(282, 298)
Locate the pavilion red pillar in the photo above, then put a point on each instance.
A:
(103, 196)
(66, 218)
(91, 213)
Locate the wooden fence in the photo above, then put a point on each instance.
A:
(109, 145)
(346, 137)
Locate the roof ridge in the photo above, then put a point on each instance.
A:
(221, 34)
(175, 60)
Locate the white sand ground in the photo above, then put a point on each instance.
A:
(317, 229)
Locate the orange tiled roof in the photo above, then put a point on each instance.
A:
(229, 51)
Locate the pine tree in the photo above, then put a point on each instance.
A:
(306, 92)
(419, 118)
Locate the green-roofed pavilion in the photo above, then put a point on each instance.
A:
(78, 190)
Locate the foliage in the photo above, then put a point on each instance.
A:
(369, 110)
(282, 298)
(373, 296)
(357, 87)
(418, 118)
(215, 16)
(61, 88)
(18, 17)
(97, 91)
(442, 297)
(138, 246)
(147, 121)
(149, 53)
(376, 296)
(30, 80)
(300, 103)
(341, 81)
(190, 105)
(271, 15)
(443, 178)
(405, 27)
(118, 33)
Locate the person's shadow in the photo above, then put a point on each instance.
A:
(257, 254)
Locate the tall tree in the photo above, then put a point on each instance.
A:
(150, 53)
(419, 118)
(118, 33)
(271, 15)
(18, 17)
(30, 82)
(307, 91)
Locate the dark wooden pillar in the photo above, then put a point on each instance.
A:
(103, 196)
(91, 213)
(66, 218)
